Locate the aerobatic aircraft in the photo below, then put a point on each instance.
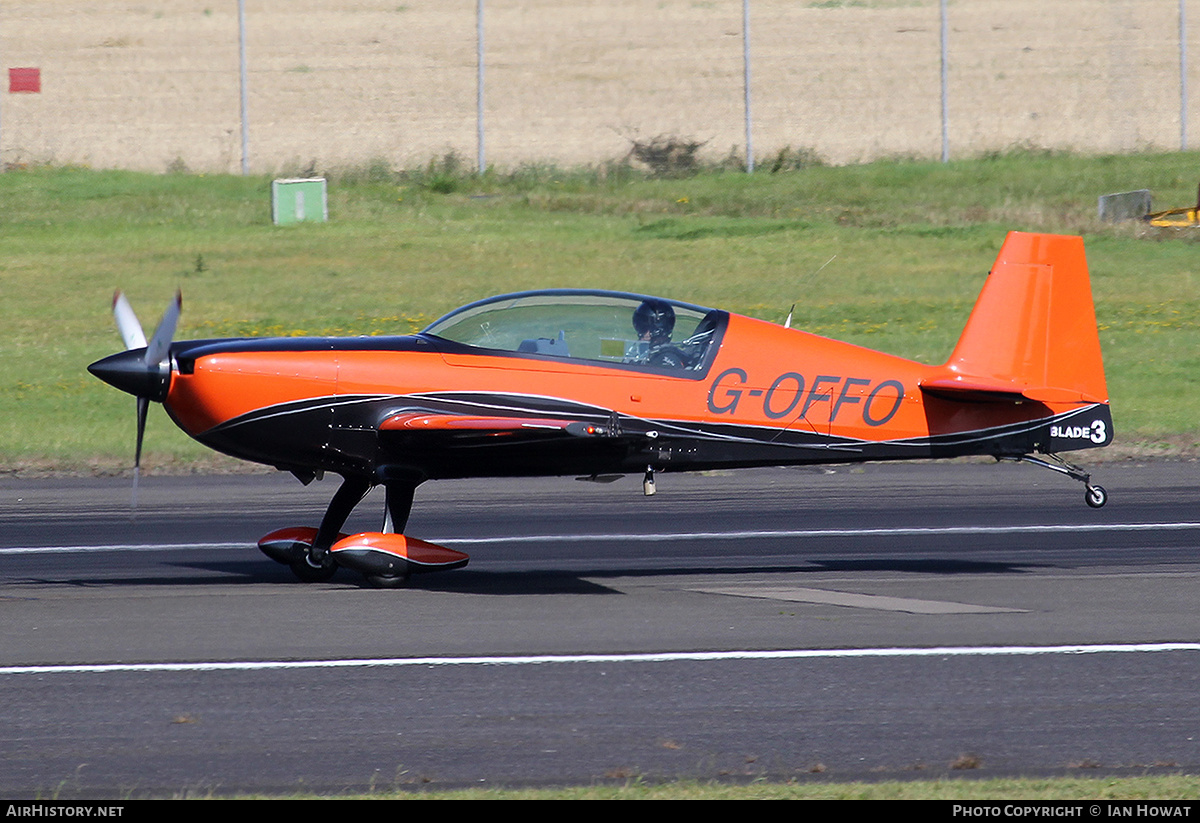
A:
(597, 383)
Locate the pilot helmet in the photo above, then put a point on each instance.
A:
(655, 318)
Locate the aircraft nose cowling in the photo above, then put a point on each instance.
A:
(129, 372)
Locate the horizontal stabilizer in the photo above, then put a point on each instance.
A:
(965, 388)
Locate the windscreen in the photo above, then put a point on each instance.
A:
(608, 327)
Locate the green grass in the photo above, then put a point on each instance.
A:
(910, 244)
(1140, 789)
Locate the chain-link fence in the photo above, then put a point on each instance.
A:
(290, 85)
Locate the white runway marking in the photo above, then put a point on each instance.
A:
(665, 657)
(666, 537)
(121, 547)
(889, 532)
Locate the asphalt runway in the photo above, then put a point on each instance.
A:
(879, 621)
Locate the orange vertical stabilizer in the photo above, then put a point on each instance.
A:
(1033, 329)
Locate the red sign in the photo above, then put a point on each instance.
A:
(24, 80)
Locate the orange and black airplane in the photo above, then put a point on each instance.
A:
(596, 383)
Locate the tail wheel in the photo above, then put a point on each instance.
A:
(1095, 496)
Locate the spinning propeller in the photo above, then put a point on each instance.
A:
(143, 369)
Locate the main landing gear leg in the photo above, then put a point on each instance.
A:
(399, 506)
(318, 564)
(1095, 496)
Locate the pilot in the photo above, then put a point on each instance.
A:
(654, 322)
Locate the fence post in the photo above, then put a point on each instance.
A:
(479, 138)
(2, 167)
(945, 90)
(1183, 75)
(242, 80)
(746, 82)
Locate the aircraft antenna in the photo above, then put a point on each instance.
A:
(787, 324)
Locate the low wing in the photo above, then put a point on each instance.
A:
(486, 426)
(442, 444)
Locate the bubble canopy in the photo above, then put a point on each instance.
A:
(588, 325)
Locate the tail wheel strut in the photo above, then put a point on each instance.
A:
(1095, 496)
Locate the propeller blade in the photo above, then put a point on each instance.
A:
(127, 322)
(160, 343)
(143, 406)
